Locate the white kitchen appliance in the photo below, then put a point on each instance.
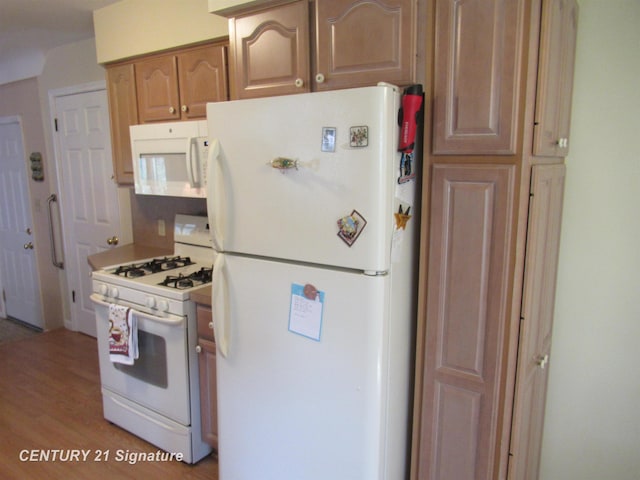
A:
(170, 158)
(157, 398)
(310, 207)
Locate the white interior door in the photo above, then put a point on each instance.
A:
(88, 193)
(18, 266)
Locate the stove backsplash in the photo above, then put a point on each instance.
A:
(147, 210)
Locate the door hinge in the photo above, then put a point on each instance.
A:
(4, 296)
(55, 124)
(73, 296)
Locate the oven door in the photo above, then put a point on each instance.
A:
(159, 378)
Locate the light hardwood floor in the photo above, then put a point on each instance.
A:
(50, 400)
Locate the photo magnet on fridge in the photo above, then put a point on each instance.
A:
(350, 227)
(359, 136)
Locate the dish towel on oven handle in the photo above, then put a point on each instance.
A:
(123, 334)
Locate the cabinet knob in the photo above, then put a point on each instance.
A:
(299, 83)
(542, 361)
(319, 78)
(172, 110)
(211, 325)
(184, 108)
(198, 349)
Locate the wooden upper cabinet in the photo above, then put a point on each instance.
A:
(555, 77)
(123, 111)
(178, 86)
(202, 78)
(157, 87)
(477, 58)
(363, 43)
(275, 51)
(270, 51)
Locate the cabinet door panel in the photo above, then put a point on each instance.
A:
(476, 82)
(362, 43)
(466, 324)
(538, 299)
(208, 392)
(157, 86)
(270, 51)
(123, 112)
(203, 78)
(555, 78)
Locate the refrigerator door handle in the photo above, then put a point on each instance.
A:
(220, 305)
(215, 198)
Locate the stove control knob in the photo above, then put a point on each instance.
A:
(102, 289)
(163, 305)
(151, 302)
(114, 292)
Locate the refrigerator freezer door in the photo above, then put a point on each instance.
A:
(307, 177)
(291, 406)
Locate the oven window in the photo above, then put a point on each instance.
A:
(151, 366)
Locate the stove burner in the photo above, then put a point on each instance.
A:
(181, 281)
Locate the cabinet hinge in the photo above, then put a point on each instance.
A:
(55, 124)
(73, 296)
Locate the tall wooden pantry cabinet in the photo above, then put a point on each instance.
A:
(500, 88)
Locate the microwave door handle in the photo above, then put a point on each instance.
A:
(192, 172)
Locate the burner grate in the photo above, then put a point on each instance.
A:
(155, 265)
(181, 281)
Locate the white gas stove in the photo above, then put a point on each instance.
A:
(162, 284)
(158, 397)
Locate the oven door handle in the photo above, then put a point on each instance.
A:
(140, 314)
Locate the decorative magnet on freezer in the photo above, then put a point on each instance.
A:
(402, 217)
(350, 227)
(328, 139)
(359, 136)
(406, 168)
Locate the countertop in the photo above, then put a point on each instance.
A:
(132, 252)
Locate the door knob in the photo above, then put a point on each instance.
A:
(28, 246)
(112, 241)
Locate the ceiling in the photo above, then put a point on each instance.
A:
(28, 28)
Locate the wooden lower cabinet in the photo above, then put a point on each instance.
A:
(466, 320)
(486, 333)
(536, 319)
(207, 368)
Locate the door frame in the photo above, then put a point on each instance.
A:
(123, 197)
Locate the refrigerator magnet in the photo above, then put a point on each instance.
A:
(305, 313)
(328, 139)
(350, 227)
(359, 136)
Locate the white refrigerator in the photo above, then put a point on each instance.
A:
(311, 209)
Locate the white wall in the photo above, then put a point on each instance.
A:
(134, 27)
(592, 427)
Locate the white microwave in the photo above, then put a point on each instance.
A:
(170, 158)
